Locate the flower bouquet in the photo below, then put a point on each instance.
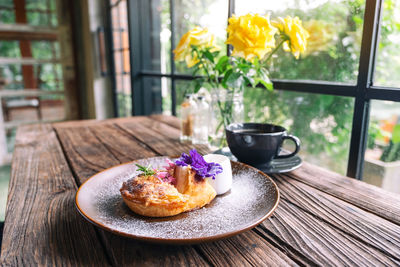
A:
(254, 38)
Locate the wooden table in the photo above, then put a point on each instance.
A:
(323, 218)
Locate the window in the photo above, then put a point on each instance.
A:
(32, 75)
(121, 62)
(387, 66)
(35, 50)
(335, 41)
(382, 157)
(330, 88)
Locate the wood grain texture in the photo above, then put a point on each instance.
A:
(42, 226)
(120, 144)
(364, 226)
(365, 196)
(169, 120)
(160, 137)
(318, 241)
(86, 123)
(129, 252)
(85, 153)
(247, 249)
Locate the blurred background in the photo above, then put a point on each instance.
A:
(67, 60)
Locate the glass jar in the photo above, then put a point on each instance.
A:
(226, 108)
(188, 108)
(201, 121)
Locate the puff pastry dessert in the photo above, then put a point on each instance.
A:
(182, 186)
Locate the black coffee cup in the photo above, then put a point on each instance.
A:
(257, 144)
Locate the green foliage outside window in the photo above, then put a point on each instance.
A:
(323, 122)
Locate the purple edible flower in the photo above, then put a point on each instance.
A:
(184, 160)
(199, 165)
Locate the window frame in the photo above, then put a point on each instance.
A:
(363, 91)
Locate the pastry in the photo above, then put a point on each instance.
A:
(182, 186)
(148, 196)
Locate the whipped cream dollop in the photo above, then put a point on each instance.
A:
(223, 181)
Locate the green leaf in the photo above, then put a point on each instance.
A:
(194, 48)
(396, 134)
(256, 62)
(221, 64)
(264, 79)
(146, 170)
(244, 67)
(228, 73)
(264, 74)
(235, 80)
(209, 56)
(197, 84)
(268, 85)
(249, 80)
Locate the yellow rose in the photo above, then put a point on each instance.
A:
(251, 36)
(296, 34)
(321, 35)
(199, 37)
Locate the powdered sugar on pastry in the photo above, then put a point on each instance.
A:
(179, 187)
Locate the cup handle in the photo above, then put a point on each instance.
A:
(296, 142)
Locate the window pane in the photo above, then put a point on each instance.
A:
(387, 67)
(152, 95)
(334, 45)
(10, 49)
(37, 18)
(50, 76)
(165, 37)
(11, 76)
(158, 39)
(166, 96)
(121, 58)
(36, 4)
(7, 3)
(382, 157)
(41, 12)
(124, 103)
(7, 14)
(212, 14)
(45, 50)
(322, 122)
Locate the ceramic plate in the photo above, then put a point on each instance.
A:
(252, 199)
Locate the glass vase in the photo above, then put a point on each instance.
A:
(226, 108)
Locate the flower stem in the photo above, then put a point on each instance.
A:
(276, 49)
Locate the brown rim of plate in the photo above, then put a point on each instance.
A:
(179, 241)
